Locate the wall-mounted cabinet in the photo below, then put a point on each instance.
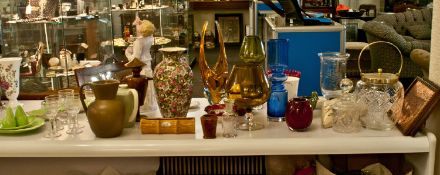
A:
(54, 36)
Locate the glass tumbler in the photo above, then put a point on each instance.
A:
(346, 117)
(209, 126)
(333, 69)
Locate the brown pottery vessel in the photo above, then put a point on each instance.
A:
(106, 113)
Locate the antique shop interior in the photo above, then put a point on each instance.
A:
(162, 87)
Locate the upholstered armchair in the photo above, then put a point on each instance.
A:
(408, 31)
(421, 58)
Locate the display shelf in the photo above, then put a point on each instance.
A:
(219, 5)
(274, 139)
(146, 7)
(169, 18)
(51, 26)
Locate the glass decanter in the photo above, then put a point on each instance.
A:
(248, 84)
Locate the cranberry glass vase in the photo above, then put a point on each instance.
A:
(299, 114)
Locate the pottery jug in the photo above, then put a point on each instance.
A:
(173, 83)
(140, 83)
(128, 97)
(106, 113)
(299, 114)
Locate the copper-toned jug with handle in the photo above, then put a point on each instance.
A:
(106, 113)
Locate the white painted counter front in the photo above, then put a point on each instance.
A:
(274, 139)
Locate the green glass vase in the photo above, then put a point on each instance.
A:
(252, 50)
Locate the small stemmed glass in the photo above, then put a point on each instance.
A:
(50, 106)
(63, 116)
(73, 106)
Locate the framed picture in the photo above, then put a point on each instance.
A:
(232, 27)
(420, 97)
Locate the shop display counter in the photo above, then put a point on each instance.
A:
(274, 139)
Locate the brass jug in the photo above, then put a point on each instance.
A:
(106, 113)
(214, 79)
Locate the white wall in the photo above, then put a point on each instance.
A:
(433, 123)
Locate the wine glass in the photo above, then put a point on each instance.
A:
(50, 106)
(62, 97)
(73, 106)
(249, 87)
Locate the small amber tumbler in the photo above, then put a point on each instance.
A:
(209, 126)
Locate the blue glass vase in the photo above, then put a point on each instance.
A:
(277, 54)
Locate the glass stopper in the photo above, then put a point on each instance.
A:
(346, 84)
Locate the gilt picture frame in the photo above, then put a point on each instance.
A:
(420, 98)
(232, 27)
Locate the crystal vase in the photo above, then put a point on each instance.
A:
(9, 73)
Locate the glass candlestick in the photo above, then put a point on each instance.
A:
(277, 50)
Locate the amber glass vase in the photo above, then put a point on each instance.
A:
(249, 87)
(214, 79)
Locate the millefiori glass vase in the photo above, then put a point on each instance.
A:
(173, 83)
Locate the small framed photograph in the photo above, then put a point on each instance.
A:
(232, 27)
(420, 97)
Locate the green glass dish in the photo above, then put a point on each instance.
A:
(30, 121)
(36, 123)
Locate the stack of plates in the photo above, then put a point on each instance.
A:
(34, 123)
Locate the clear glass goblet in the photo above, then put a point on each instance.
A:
(50, 106)
(62, 113)
(73, 106)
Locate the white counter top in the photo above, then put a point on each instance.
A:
(274, 139)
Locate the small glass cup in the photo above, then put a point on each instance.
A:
(62, 97)
(346, 117)
(50, 105)
(209, 126)
(229, 126)
(73, 107)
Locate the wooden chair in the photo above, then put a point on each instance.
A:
(118, 70)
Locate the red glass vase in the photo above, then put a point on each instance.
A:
(299, 114)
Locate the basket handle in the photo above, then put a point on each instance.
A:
(375, 42)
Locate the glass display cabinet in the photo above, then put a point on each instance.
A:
(53, 37)
(170, 17)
